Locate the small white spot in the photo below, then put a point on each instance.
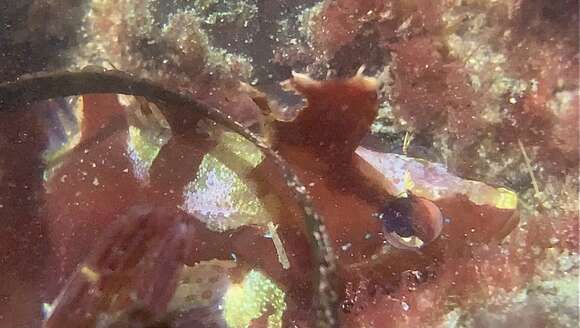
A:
(346, 246)
(95, 181)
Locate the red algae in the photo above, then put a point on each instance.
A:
(323, 160)
(547, 116)
(99, 174)
(119, 192)
(429, 90)
(346, 105)
(126, 257)
(143, 194)
(459, 281)
(23, 246)
(354, 203)
(466, 78)
(338, 22)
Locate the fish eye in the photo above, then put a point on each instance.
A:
(410, 222)
(396, 216)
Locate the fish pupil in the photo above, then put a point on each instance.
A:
(397, 217)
